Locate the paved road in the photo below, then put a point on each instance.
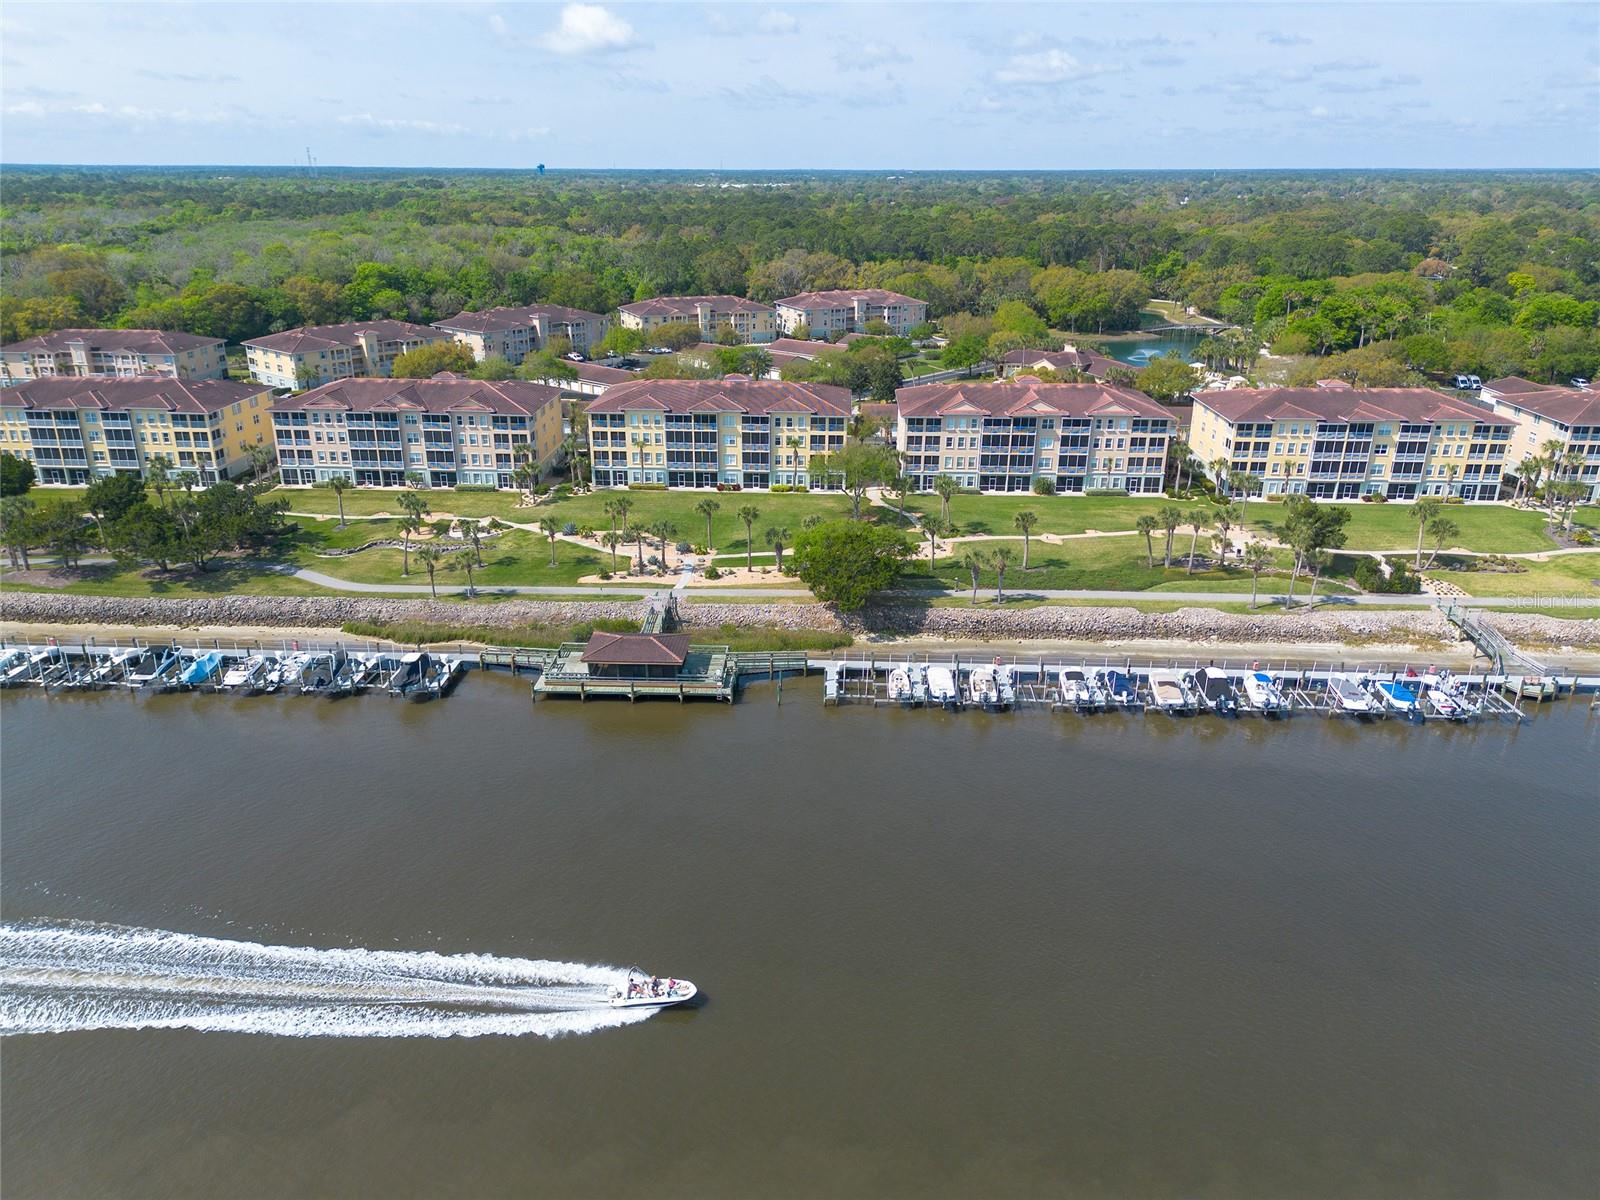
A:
(710, 594)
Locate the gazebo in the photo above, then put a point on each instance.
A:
(635, 655)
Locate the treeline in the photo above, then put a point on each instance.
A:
(1503, 269)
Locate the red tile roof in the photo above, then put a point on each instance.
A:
(1338, 404)
(134, 341)
(491, 319)
(1024, 397)
(733, 394)
(637, 649)
(328, 337)
(443, 393)
(846, 297)
(128, 391)
(687, 306)
(1564, 406)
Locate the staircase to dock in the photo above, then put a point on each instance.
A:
(1507, 658)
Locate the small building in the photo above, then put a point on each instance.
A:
(515, 333)
(636, 655)
(850, 311)
(1546, 413)
(750, 320)
(316, 354)
(1068, 358)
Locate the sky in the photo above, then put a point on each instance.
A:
(1129, 85)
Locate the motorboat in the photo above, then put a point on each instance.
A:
(199, 671)
(1446, 697)
(1006, 685)
(1169, 693)
(320, 672)
(651, 991)
(56, 669)
(153, 670)
(1215, 691)
(112, 667)
(983, 689)
(1262, 693)
(408, 676)
(1117, 687)
(12, 661)
(30, 669)
(942, 688)
(918, 675)
(1395, 696)
(1348, 696)
(830, 681)
(248, 675)
(1075, 690)
(900, 687)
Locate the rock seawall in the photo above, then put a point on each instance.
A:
(1047, 622)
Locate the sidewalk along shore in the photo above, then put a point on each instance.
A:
(1198, 625)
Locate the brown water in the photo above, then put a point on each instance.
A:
(943, 955)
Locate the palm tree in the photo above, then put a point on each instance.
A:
(1147, 525)
(429, 557)
(1226, 518)
(464, 561)
(1442, 530)
(338, 483)
(794, 444)
(549, 528)
(932, 529)
(623, 506)
(749, 514)
(777, 537)
(408, 526)
(612, 539)
(1000, 557)
(1220, 467)
(610, 509)
(1025, 521)
(1170, 516)
(1197, 521)
(665, 532)
(898, 487)
(1423, 511)
(639, 534)
(975, 560)
(946, 486)
(708, 508)
(1257, 558)
(1450, 473)
(414, 504)
(1554, 455)
(159, 472)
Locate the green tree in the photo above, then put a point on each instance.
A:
(964, 353)
(1000, 559)
(777, 536)
(550, 529)
(16, 474)
(17, 528)
(1312, 530)
(845, 562)
(933, 529)
(430, 556)
(611, 539)
(1197, 520)
(494, 367)
(708, 508)
(427, 361)
(749, 514)
(1167, 378)
(858, 466)
(545, 367)
(1025, 520)
(1170, 516)
(109, 498)
(1257, 558)
(976, 562)
(338, 484)
(1423, 511)
(1147, 525)
(946, 487)
(675, 335)
(1443, 531)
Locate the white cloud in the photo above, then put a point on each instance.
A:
(402, 124)
(127, 114)
(586, 28)
(1043, 66)
(775, 20)
(868, 56)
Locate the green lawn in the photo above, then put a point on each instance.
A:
(1587, 515)
(1057, 514)
(1567, 575)
(1487, 528)
(229, 579)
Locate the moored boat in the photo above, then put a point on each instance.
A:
(1119, 688)
(982, 688)
(900, 687)
(1347, 695)
(1395, 696)
(1262, 692)
(919, 684)
(1215, 690)
(942, 687)
(1169, 693)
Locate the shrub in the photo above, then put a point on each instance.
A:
(562, 491)
(441, 528)
(570, 528)
(1454, 500)
(1105, 491)
(1044, 486)
(496, 525)
(1374, 498)
(802, 487)
(712, 572)
(586, 530)
(1369, 576)
(683, 547)
(1582, 537)
(647, 487)
(475, 487)
(781, 487)
(605, 574)
(701, 549)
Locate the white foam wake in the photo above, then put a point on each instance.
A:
(69, 976)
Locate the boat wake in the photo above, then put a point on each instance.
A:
(59, 977)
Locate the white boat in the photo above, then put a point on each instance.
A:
(982, 688)
(651, 991)
(942, 687)
(112, 667)
(1117, 688)
(1076, 691)
(1347, 695)
(900, 687)
(247, 676)
(1394, 696)
(1005, 685)
(1446, 696)
(154, 669)
(1262, 692)
(1168, 692)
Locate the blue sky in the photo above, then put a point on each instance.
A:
(968, 86)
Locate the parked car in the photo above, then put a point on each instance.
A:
(1580, 382)
(1468, 383)
(576, 357)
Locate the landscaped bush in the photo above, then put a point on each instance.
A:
(475, 487)
(1582, 537)
(730, 487)
(605, 574)
(781, 487)
(647, 487)
(683, 547)
(570, 528)
(1454, 500)
(1374, 498)
(1105, 491)
(1369, 576)
(562, 491)
(586, 530)
(1044, 486)
(496, 525)
(802, 487)
(441, 527)
(712, 572)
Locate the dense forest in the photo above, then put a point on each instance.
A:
(1395, 273)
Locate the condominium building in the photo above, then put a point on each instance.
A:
(752, 322)
(1004, 437)
(1544, 413)
(752, 433)
(847, 311)
(114, 352)
(448, 430)
(1341, 443)
(514, 333)
(74, 429)
(318, 354)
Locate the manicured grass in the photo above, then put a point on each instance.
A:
(1578, 612)
(1110, 564)
(1565, 575)
(734, 637)
(1587, 515)
(225, 580)
(513, 557)
(781, 510)
(1486, 528)
(1057, 514)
